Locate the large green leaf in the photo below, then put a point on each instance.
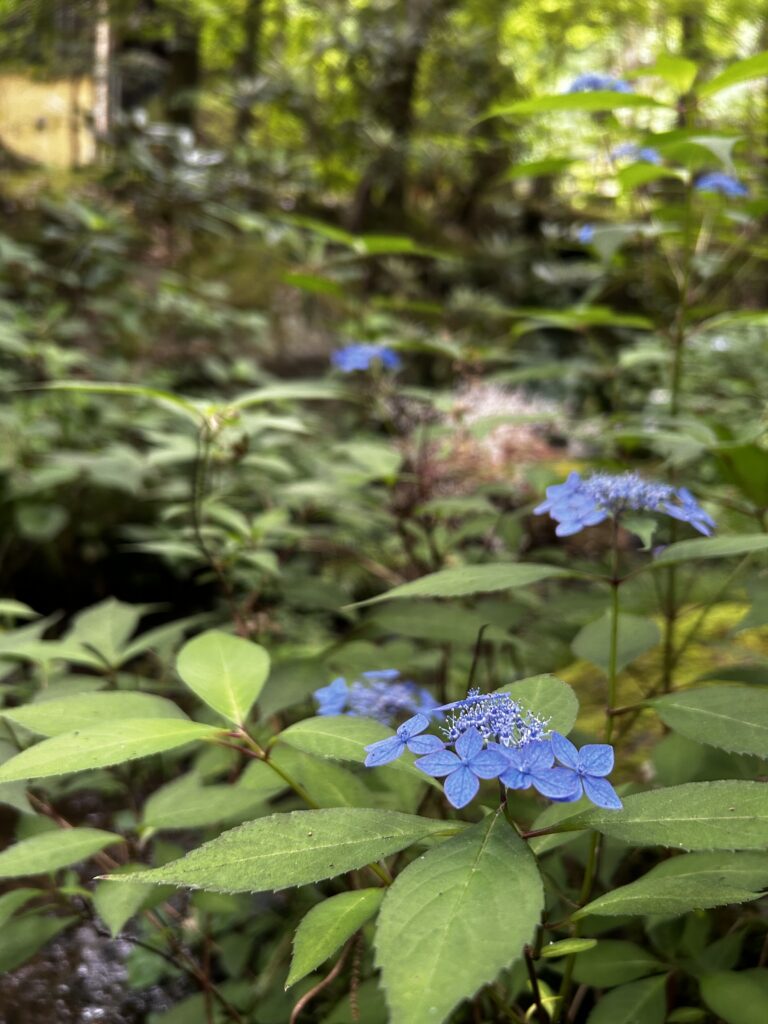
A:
(328, 783)
(225, 671)
(710, 547)
(186, 803)
(186, 407)
(590, 102)
(344, 738)
(549, 698)
(327, 926)
(636, 636)
(729, 717)
(20, 940)
(454, 918)
(728, 815)
(99, 746)
(11, 901)
(117, 904)
(640, 1002)
(471, 579)
(740, 71)
(50, 851)
(283, 850)
(692, 881)
(614, 962)
(106, 627)
(737, 997)
(678, 72)
(81, 710)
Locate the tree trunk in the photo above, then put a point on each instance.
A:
(184, 75)
(380, 198)
(249, 63)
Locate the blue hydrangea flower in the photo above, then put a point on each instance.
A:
(407, 737)
(332, 699)
(578, 503)
(640, 154)
(496, 717)
(585, 234)
(363, 356)
(379, 694)
(587, 769)
(689, 511)
(594, 81)
(464, 769)
(532, 765)
(723, 184)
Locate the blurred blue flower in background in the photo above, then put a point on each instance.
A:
(585, 234)
(362, 356)
(595, 81)
(379, 694)
(631, 151)
(723, 184)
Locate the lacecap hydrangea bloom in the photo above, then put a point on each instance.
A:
(363, 356)
(493, 737)
(380, 694)
(723, 184)
(631, 151)
(595, 81)
(578, 503)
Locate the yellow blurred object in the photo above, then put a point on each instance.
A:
(47, 122)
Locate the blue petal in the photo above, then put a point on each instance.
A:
(515, 779)
(387, 674)
(332, 699)
(413, 726)
(469, 744)
(564, 751)
(596, 759)
(461, 786)
(384, 751)
(537, 755)
(488, 764)
(559, 784)
(602, 793)
(442, 762)
(425, 744)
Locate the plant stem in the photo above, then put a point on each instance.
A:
(541, 1013)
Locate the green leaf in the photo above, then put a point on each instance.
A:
(539, 168)
(692, 881)
(565, 947)
(289, 391)
(284, 850)
(225, 671)
(614, 962)
(728, 815)
(737, 997)
(328, 783)
(99, 746)
(49, 851)
(679, 72)
(732, 718)
(328, 926)
(20, 940)
(640, 1002)
(106, 627)
(11, 901)
(117, 904)
(54, 717)
(471, 579)
(738, 72)
(549, 698)
(710, 547)
(590, 102)
(185, 803)
(185, 407)
(636, 636)
(343, 738)
(16, 610)
(454, 918)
